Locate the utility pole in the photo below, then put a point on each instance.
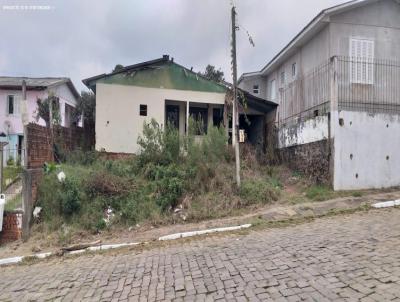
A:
(25, 121)
(235, 115)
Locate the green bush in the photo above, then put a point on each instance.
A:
(70, 198)
(169, 183)
(258, 191)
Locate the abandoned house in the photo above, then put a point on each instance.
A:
(11, 128)
(337, 84)
(169, 93)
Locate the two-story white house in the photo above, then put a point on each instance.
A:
(11, 128)
(337, 84)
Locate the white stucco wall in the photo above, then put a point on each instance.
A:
(370, 139)
(309, 131)
(118, 123)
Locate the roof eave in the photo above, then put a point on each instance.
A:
(320, 20)
(88, 81)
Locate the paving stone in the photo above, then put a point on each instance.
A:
(342, 258)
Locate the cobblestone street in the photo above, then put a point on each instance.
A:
(343, 258)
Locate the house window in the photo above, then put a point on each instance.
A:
(273, 89)
(361, 61)
(294, 70)
(143, 110)
(283, 78)
(256, 89)
(12, 105)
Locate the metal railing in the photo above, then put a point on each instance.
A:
(305, 97)
(371, 85)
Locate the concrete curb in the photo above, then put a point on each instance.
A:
(386, 204)
(19, 259)
(203, 232)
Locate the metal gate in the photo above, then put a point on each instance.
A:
(11, 170)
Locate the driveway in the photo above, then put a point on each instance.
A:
(352, 257)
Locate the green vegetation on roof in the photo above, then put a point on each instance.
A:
(166, 75)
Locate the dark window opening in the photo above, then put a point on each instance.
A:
(200, 116)
(316, 113)
(256, 89)
(143, 110)
(294, 70)
(10, 104)
(173, 115)
(218, 117)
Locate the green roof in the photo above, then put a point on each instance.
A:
(160, 73)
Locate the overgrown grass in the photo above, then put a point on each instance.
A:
(10, 174)
(170, 170)
(319, 193)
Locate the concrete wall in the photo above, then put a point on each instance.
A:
(118, 123)
(379, 21)
(247, 84)
(303, 132)
(366, 151)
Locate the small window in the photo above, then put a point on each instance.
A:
(12, 105)
(143, 110)
(273, 90)
(256, 89)
(283, 78)
(294, 70)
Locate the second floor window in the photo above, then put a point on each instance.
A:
(256, 89)
(361, 61)
(12, 105)
(294, 70)
(273, 90)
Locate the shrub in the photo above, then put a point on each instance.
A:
(101, 183)
(169, 183)
(258, 191)
(158, 146)
(80, 157)
(70, 198)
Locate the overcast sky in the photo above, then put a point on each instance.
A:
(83, 38)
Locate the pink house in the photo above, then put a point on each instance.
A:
(11, 128)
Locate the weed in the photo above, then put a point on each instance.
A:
(319, 193)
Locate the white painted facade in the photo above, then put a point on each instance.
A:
(305, 132)
(118, 122)
(366, 151)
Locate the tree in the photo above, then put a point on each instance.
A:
(118, 67)
(213, 74)
(85, 109)
(43, 109)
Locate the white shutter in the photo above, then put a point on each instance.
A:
(370, 61)
(361, 61)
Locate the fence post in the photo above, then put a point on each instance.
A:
(27, 202)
